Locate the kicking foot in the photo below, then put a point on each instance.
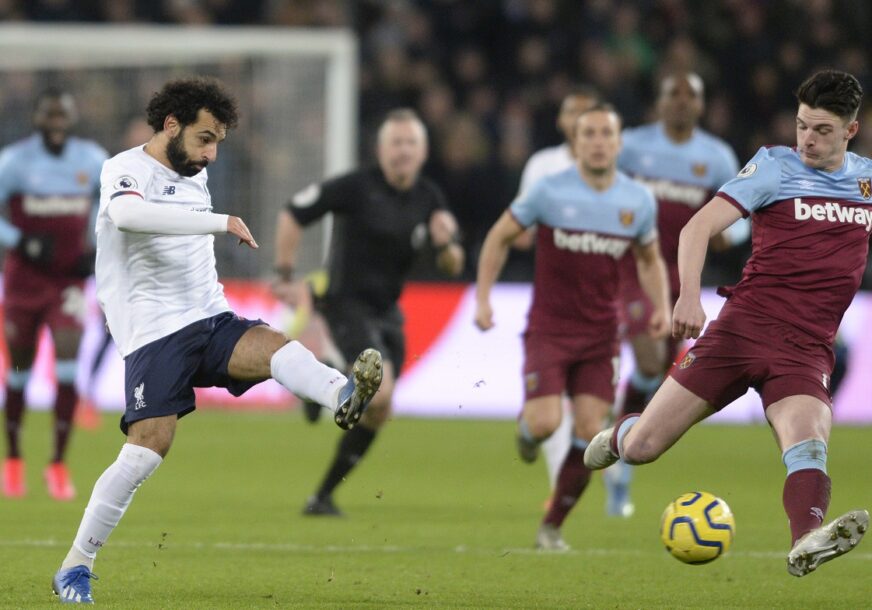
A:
(73, 586)
(599, 454)
(13, 478)
(58, 482)
(363, 383)
(321, 507)
(827, 542)
(548, 538)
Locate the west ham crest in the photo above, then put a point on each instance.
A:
(865, 185)
(627, 217)
(699, 169)
(687, 360)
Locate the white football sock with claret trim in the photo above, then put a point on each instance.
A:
(299, 371)
(112, 494)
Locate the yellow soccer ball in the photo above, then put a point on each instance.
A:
(697, 527)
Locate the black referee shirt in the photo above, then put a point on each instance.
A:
(377, 231)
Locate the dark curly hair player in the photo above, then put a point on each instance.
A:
(166, 311)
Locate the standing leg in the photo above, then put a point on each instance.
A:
(802, 426)
(148, 442)
(16, 383)
(57, 477)
(589, 412)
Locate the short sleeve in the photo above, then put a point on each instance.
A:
(648, 223)
(728, 166)
(755, 185)
(527, 206)
(316, 200)
(9, 181)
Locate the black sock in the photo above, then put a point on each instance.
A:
(352, 447)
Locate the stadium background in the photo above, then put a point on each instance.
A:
(442, 514)
(487, 77)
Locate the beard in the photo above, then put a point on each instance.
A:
(179, 159)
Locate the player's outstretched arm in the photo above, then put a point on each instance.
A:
(131, 214)
(490, 263)
(653, 278)
(688, 316)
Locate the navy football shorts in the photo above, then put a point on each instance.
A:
(160, 377)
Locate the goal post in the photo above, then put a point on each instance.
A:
(297, 91)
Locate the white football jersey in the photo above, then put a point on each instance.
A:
(149, 285)
(545, 162)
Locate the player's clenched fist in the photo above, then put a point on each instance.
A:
(484, 316)
(236, 227)
(688, 318)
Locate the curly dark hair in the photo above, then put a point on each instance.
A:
(832, 90)
(185, 97)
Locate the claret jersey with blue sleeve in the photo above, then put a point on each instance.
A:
(683, 176)
(582, 234)
(52, 195)
(810, 237)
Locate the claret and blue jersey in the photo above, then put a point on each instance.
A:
(810, 237)
(582, 233)
(52, 195)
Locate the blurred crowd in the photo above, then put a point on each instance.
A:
(487, 76)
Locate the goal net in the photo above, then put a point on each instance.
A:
(296, 92)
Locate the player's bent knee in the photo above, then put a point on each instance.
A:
(636, 450)
(155, 434)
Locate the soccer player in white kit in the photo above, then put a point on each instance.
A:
(157, 284)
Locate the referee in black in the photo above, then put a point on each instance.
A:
(384, 218)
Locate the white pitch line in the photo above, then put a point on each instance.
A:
(365, 548)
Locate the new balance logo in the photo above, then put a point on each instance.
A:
(817, 513)
(169, 190)
(832, 212)
(590, 243)
(138, 392)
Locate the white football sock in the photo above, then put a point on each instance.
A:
(557, 445)
(299, 371)
(112, 494)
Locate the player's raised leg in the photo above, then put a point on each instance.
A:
(802, 428)
(640, 439)
(263, 352)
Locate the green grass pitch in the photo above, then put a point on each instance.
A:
(441, 514)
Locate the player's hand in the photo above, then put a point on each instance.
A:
(36, 249)
(484, 316)
(688, 318)
(659, 324)
(236, 227)
(295, 294)
(443, 228)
